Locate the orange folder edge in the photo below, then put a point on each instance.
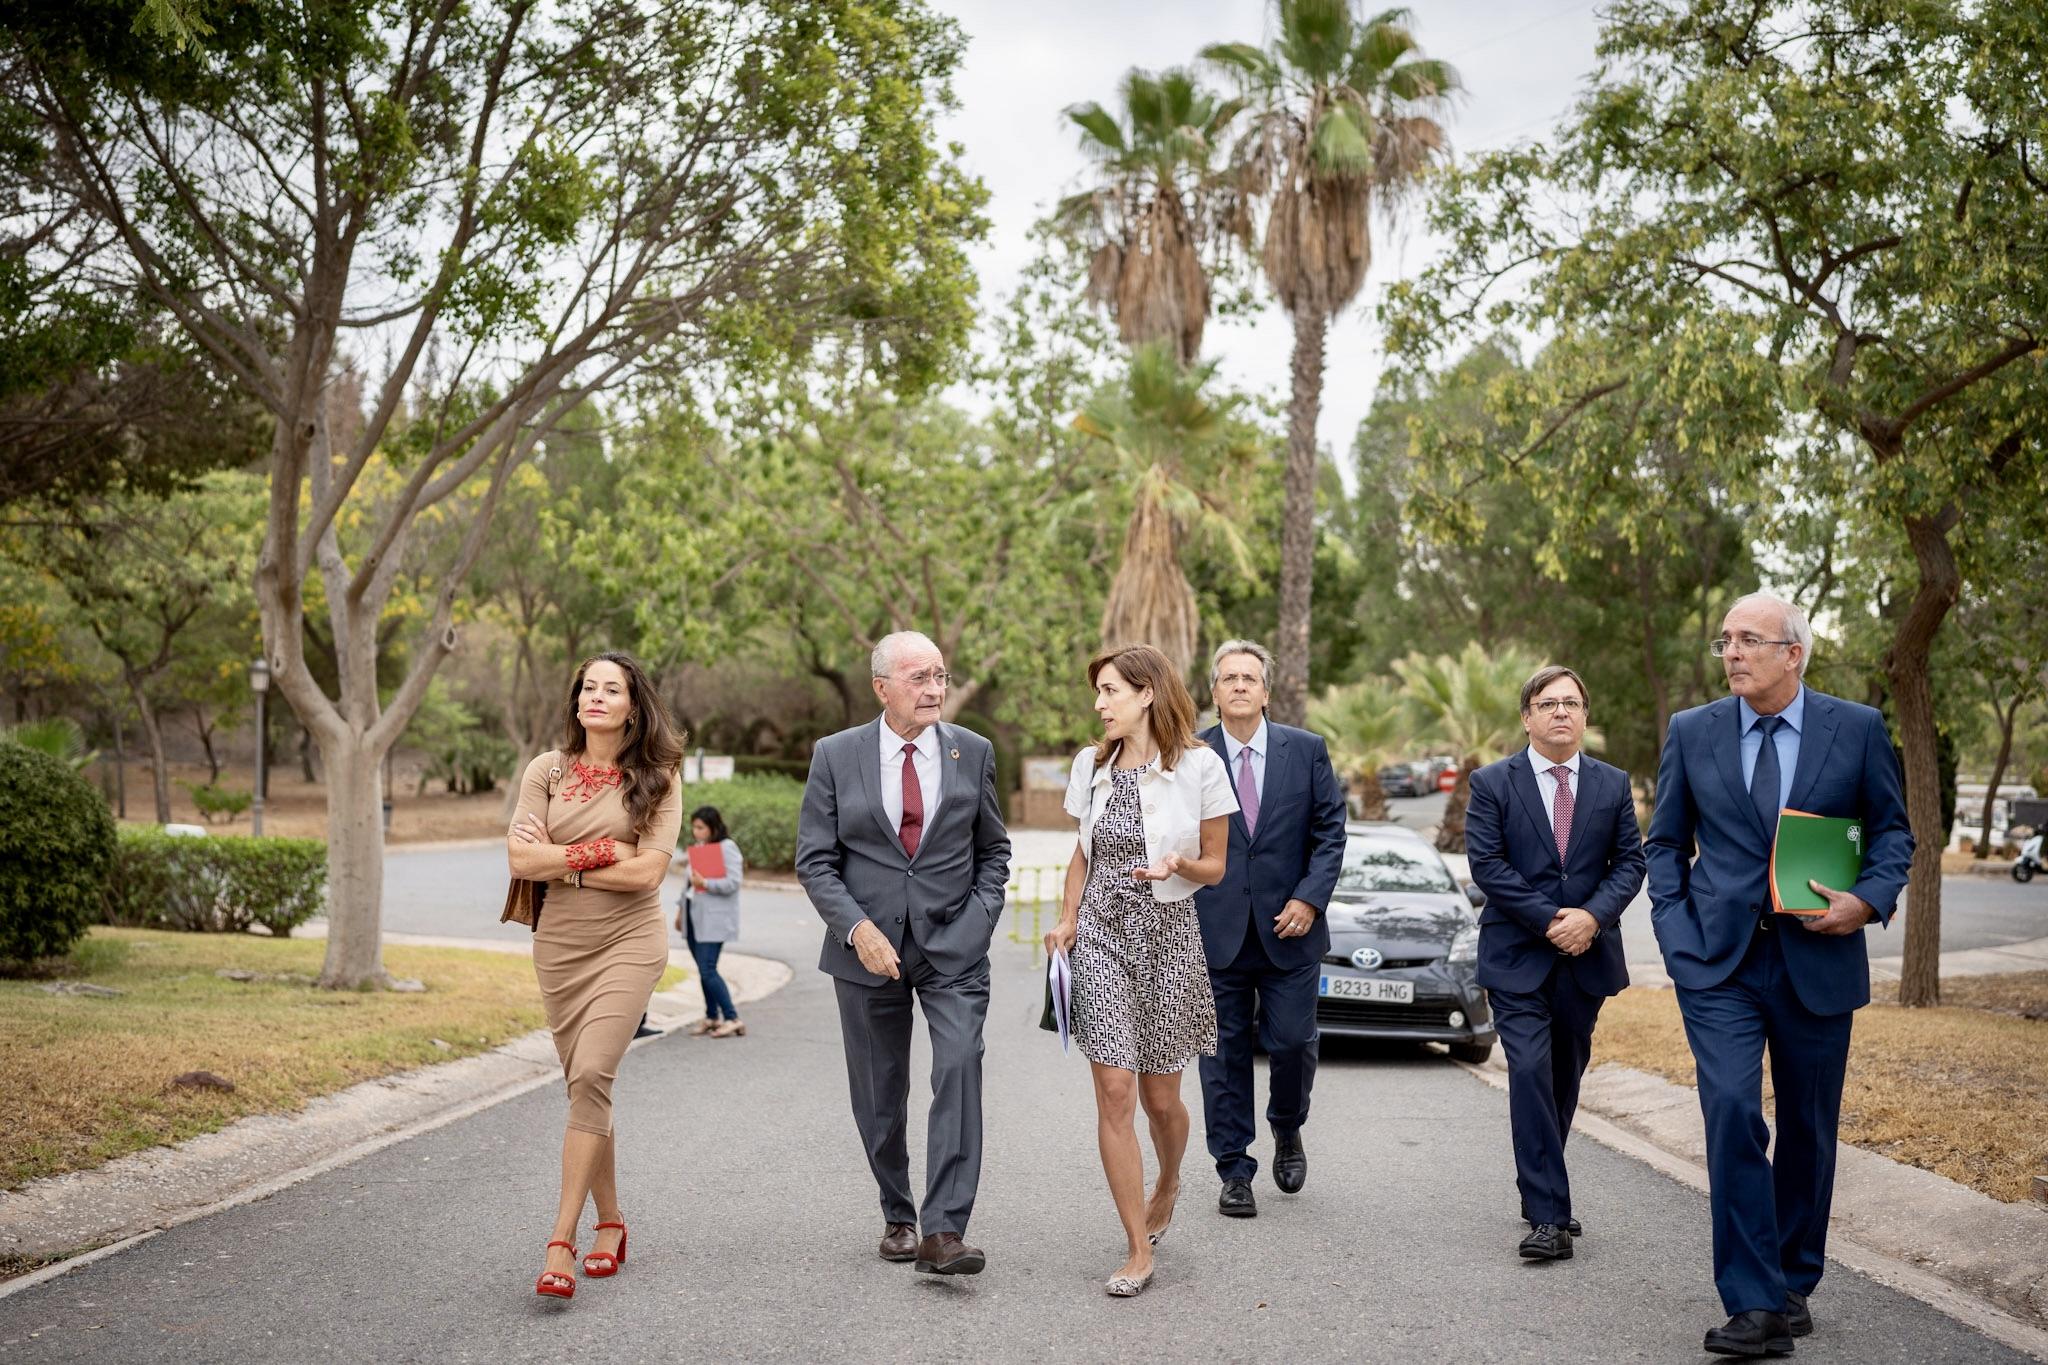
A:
(1777, 907)
(708, 861)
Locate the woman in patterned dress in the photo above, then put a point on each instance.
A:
(597, 820)
(1154, 806)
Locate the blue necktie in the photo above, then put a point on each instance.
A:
(1763, 780)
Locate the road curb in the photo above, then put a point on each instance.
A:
(1849, 1246)
(135, 1197)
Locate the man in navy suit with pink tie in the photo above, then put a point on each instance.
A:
(1553, 842)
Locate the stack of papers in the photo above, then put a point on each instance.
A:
(1059, 987)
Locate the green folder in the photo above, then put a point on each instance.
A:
(1813, 847)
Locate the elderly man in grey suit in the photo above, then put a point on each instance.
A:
(902, 850)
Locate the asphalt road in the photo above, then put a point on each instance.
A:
(753, 1226)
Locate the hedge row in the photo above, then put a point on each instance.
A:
(215, 885)
(760, 810)
(55, 834)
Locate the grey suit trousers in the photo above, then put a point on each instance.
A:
(875, 1023)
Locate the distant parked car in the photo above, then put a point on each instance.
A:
(1404, 947)
(1405, 779)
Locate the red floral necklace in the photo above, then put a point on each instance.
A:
(587, 783)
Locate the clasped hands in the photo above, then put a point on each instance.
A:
(1572, 930)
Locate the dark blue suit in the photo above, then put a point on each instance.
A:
(1255, 974)
(1747, 979)
(1545, 1003)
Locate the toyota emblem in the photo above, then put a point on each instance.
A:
(1367, 959)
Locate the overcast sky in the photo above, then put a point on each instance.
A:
(1523, 62)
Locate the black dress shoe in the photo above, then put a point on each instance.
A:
(1798, 1317)
(1570, 1225)
(1290, 1162)
(943, 1253)
(1755, 1332)
(1236, 1201)
(899, 1242)
(1547, 1242)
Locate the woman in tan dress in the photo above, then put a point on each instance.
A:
(597, 821)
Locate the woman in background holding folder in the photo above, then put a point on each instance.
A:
(709, 917)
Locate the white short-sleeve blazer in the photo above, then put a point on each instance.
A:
(1171, 806)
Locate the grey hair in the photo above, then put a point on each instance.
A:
(1251, 647)
(1796, 628)
(889, 646)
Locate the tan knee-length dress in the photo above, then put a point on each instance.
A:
(598, 954)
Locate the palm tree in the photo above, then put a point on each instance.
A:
(1367, 724)
(1344, 121)
(1471, 703)
(1161, 205)
(1183, 456)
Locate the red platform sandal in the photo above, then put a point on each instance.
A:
(553, 1283)
(598, 1264)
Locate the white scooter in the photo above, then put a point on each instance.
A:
(2029, 862)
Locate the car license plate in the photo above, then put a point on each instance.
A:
(1368, 988)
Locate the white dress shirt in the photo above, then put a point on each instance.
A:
(927, 763)
(1547, 784)
(1231, 750)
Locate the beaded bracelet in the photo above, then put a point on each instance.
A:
(595, 854)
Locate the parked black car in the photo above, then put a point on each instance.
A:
(1404, 947)
(1405, 779)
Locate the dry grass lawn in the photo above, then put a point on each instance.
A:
(1961, 1090)
(84, 1079)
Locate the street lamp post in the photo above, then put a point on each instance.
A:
(259, 683)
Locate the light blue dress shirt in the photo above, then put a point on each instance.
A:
(1787, 740)
(1231, 750)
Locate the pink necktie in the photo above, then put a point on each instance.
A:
(1561, 813)
(1247, 790)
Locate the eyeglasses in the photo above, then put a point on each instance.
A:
(1248, 679)
(1571, 706)
(923, 678)
(1746, 643)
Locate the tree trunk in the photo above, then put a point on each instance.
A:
(1450, 835)
(355, 865)
(206, 743)
(153, 731)
(2006, 717)
(1906, 665)
(1372, 798)
(1298, 522)
(306, 755)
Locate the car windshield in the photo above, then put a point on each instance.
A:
(1373, 866)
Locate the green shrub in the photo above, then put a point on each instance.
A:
(56, 842)
(217, 803)
(760, 809)
(769, 763)
(222, 885)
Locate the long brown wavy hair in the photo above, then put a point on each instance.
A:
(653, 747)
(1173, 710)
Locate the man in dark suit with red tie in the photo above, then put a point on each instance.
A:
(1553, 843)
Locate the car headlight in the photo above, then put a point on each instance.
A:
(1465, 947)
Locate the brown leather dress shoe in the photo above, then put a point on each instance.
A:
(899, 1242)
(943, 1253)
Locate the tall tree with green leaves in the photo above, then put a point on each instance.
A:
(514, 205)
(1470, 702)
(1368, 724)
(1185, 458)
(1163, 207)
(1345, 120)
(1812, 240)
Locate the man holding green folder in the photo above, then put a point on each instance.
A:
(1749, 977)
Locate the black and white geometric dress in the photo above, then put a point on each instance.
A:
(1141, 996)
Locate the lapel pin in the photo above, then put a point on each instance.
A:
(952, 753)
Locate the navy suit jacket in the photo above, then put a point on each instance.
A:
(1514, 861)
(1296, 856)
(1705, 908)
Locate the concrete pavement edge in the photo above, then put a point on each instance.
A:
(1879, 1198)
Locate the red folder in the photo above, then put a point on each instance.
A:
(708, 861)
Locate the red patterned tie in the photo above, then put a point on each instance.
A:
(913, 804)
(1561, 813)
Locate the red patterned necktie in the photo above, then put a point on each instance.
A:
(913, 804)
(1561, 813)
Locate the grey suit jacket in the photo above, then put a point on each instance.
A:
(853, 867)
